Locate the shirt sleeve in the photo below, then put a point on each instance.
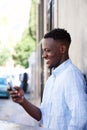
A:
(76, 100)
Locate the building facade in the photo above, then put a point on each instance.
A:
(71, 15)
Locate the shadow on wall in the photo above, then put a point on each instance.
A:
(85, 80)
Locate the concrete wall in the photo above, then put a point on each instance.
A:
(72, 15)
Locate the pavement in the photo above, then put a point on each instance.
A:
(36, 101)
(29, 122)
(14, 113)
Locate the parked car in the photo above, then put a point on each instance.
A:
(3, 87)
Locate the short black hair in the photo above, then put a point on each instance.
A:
(59, 34)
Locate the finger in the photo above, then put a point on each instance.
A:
(14, 95)
(17, 88)
(8, 89)
(18, 99)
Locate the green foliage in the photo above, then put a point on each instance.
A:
(23, 49)
(32, 22)
(4, 55)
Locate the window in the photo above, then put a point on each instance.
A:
(50, 17)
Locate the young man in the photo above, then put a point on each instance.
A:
(64, 104)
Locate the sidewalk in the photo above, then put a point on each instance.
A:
(36, 102)
(20, 116)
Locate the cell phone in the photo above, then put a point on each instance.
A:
(11, 86)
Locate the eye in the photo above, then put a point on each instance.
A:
(47, 50)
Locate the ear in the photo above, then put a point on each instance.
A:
(63, 49)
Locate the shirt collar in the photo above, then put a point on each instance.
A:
(61, 67)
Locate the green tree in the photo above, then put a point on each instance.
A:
(24, 48)
(32, 22)
(4, 54)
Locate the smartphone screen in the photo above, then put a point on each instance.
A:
(10, 85)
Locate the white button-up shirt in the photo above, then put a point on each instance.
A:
(64, 104)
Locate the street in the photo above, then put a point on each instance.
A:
(12, 112)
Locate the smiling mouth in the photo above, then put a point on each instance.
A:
(47, 61)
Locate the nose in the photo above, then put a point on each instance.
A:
(44, 55)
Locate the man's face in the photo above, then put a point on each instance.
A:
(52, 52)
